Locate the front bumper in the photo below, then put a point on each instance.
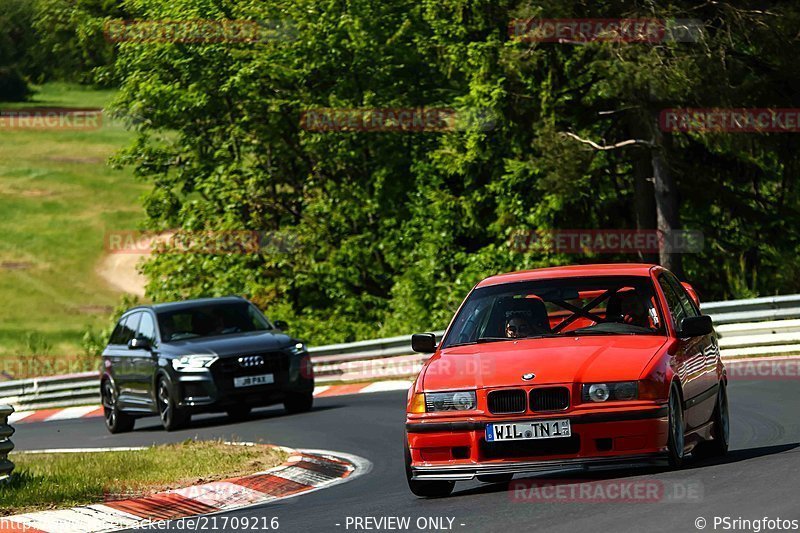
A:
(457, 450)
(213, 389)
(467, 472)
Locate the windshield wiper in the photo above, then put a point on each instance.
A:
(497, 339)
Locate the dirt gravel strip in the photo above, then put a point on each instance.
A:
(91, 411)
(303, 472)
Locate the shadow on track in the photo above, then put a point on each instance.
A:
(568, 477)
(221, 419)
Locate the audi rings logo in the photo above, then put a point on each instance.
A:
(251, 361)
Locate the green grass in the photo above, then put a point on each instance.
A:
(58, 197)
(60, 480)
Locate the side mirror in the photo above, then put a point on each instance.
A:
(696, 326)
(423, 342)
(139, 343)
(281, 325)
(692, 293)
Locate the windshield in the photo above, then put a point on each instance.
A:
(210, 320)
(618, 305)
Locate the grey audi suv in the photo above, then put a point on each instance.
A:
(207, 355)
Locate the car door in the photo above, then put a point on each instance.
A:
(705, 356)
(143, 361)
(121, 358)
(689, 359)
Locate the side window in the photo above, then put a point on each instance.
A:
(686, 302)
(673, 302)
(147, 328)
(129, 329)
(118, 334)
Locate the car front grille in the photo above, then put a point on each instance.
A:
(506, 401)
(549, 399)
(263, 363)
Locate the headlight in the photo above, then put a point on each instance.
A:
(450, 401)
(619, 391)
(297, 349)
(193, 363)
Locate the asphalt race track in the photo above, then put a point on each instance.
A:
(760, 477)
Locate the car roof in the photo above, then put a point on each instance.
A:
(572, 271)
(187, 304)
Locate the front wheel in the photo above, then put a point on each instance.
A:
(718, 446)
(426, 489)
(172, 417)
(116, 420)
(676, 439)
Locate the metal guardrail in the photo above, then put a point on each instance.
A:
(53, 391)
(754, 309)
(6, 445)
(758, 326)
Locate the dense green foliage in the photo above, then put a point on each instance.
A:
(390, 230)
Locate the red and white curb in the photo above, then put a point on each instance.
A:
(92, 411)
(304, 471)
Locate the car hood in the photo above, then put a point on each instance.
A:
(230, 345)
(551, 360)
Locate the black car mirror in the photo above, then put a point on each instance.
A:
(139, 343)
(696, 326)
(423, 342)
(281, 325)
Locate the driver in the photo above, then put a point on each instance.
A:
(517, 327)
(634, 310)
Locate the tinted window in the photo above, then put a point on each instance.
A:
(147, 328)
(119, 333)
(126, 329)
(209, 320)
(673, 301)
(686, 302)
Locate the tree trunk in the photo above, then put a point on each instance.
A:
(666, 199)
(644, 201)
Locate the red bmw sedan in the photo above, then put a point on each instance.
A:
(566, 367)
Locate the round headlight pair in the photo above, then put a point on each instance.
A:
(601, 392)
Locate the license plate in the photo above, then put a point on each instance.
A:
(249, 381)
(538, 429)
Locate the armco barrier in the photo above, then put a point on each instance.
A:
(6, 445)
(755, 327)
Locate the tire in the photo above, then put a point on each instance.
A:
(426, 489)
(298, 403)
(676, 438)
(172, 417)
(718, 446)
(116, 420)
(496, 478)
(240, 412)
